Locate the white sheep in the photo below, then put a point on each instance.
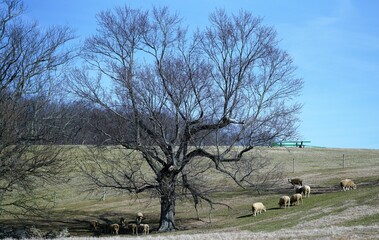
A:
(145, 228)
(139, 225)
(296, 198)
(258, 207)
(284, 201)
(306, 191)
(347, 184)
(135, 228)
(295, 181)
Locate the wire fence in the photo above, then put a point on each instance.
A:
(317, 159)
(344, 161)
(294, 161)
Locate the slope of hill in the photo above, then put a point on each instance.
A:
(328, 213)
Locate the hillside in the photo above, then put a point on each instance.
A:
(328, 213)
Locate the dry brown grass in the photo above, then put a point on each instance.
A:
(320, 168)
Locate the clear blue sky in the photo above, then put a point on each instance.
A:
(334, 43)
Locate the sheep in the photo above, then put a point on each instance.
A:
(304, 190)
(296, 198)
(139, 218)
(100, 228)
(284, 201)
(257, 208)
(295, 181)
(145, 228)
(298, 189)
(347, 184)
(114, 228)
(134, 228)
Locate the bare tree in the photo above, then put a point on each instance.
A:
(30, 63)
(230, 83)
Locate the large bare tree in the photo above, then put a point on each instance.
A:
(229, 86)
(30, 62)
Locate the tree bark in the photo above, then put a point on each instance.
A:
(168, 198)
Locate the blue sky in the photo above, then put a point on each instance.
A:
(334, 43)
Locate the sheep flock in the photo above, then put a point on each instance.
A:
(137, 225)
(122, 227)
(301, 192)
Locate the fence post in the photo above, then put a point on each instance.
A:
(343, 160)
(293, 165)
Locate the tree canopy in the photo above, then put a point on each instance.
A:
(228, 86)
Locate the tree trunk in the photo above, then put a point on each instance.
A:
(168, 198)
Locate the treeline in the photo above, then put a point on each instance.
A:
(39, 120)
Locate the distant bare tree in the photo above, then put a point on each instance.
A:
(230, 83)
(30, 63)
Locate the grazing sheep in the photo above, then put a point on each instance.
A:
(98, 228)
(257, 208)
(306, 191)
(145, 228)
(103, 228)
(295, 181)
(296, 198)
(114, 228)
(284, 201)
(347, 184)
(135, 228)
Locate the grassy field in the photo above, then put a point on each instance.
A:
(327, 214)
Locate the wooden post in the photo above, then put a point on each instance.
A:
(293, 165)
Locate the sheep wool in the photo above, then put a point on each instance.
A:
(296, 198)
(284, 201)
(258, 207)
(347, 184)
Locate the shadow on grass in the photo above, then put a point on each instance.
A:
(251, 215)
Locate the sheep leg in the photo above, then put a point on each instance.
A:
(134, 229)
